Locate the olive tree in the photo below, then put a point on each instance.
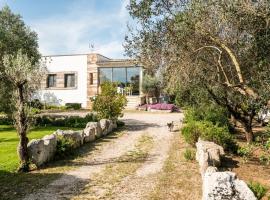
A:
(219, 46)
(25, 78)
(14, 36)
(151, 86)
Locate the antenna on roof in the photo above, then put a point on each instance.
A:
(92, 47)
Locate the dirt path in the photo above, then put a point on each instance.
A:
(134, 184)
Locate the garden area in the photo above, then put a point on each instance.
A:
(249, 161)
(206, 61)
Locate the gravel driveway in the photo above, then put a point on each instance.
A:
(135, 185)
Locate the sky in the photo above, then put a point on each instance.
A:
(70, 26)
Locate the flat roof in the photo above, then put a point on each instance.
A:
(82, 54)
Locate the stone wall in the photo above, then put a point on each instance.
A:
(43, 150)
(219, 185)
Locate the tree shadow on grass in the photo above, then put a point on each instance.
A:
(18, 185)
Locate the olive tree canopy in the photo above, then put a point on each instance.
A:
(219, 46)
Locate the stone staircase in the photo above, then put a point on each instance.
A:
(132, 102)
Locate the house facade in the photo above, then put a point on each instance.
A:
(77, 79)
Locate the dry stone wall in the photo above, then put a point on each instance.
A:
(43, 150)
(219, 185)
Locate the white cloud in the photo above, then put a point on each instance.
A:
(72, 32)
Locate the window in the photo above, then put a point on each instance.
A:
(51, 80)
(105, 74)
(91, 78)
(120, 76)
(69, 80)
(133, 79)
(126, 77)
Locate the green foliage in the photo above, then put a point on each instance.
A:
(206, 130)
(36, 104)
(65, 121)
(189, 154)
(151, 85)
(191, 132)
(73, 106)
(9, 140)
(264, 159)
(245, 152)
(6, 120)
(109, 104)
(14, 36)
(213, 113)
(187, 46)
(267, 144)
(258, 189)
(34, 111)
(64, 147)
(210, 122)
(54, 107)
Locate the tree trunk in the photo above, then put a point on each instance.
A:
(22, 125)
(249, 131)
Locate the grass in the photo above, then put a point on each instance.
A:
(180, 179)
(9, 141)
(20, 184)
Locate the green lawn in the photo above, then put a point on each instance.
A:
(9, 141)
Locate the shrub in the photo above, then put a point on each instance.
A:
(5, 120)
(210, 132)
(36, 104)
(264, 159)
(73, 106)
(64, 147)
(213, 113)
(109, 104)
(65, 121)
(34, 111)
(54, 107)
(191, 132)
(258, 189)
(189, 154)
(267, 144)
(219, 135)
(245, 152)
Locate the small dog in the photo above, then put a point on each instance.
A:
(170, 126)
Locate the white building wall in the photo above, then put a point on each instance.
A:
(76, 63)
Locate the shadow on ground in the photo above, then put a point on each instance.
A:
(136, 125)
(228, 163)
(17, 185)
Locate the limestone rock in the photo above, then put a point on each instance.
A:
(42, 150)
(89, 134)
(225, 186)
(36, 151)
(50, 143)
(112, 126)
(96, 127)
(105, 124)
(208, 154)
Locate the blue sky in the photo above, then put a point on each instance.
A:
(69, 26)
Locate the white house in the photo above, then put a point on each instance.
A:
(77, 78)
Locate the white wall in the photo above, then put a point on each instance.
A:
(76, 63)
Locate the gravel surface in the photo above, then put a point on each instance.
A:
(134, 186)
